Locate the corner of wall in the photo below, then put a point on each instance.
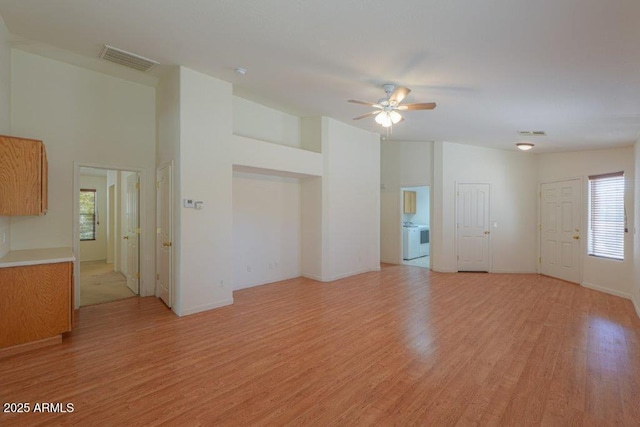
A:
(636, 304)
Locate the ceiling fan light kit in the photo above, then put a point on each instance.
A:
(386, 109)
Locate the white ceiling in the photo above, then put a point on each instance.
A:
(568, 67)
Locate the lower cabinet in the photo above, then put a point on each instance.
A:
(36, 302)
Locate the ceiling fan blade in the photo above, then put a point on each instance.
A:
(369, 114)
(398, 95)
(418, 106)
(355, 101)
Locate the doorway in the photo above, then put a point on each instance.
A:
(416, 229)
(107, 245)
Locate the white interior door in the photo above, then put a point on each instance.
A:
(131, 220)
(473, 227)
(560, 229)
(164, 239)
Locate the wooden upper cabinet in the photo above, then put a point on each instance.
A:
(409, 202)
(23, 176)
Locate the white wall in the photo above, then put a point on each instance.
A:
(253, 120)
(96, 250)
(351, 200)
(403, 164)
(635, 289)
(91, 118)
(608, 275)
(513, 204)
(206, 243)
(311, 235)
(5, 120)
(266, 229)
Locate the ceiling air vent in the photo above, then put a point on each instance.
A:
(127, 59)
(532, 133)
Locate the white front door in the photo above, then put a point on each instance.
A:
(473, 227)
(164, 243)
(132, 229)
(560, 229)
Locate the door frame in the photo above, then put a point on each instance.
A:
(401, 211)
(455, 222)
(142, 284)
(172, 287)
(583, 222)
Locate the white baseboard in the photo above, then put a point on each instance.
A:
(606, 290)
(513, 272)
(342, 276)
(636, 304)
(353, 273)
(279, 279)
(438, 270)
(206, 307)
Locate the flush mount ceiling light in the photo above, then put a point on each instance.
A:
(524, 146)
(241, 71)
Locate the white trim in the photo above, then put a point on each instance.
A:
(312, 277)
(253, 285)
(142, 174)
(514, 272)
(636, 304)
(438, 270)
(606, 290)
(345, 275)
(206, 307)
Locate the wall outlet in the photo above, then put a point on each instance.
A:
(189, 203)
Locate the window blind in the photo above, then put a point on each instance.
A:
(606, 215)
(87, 214)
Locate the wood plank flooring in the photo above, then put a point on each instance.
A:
(405, 346)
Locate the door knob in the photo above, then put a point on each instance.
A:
(576, 237)
(166, 244)
(126, 237)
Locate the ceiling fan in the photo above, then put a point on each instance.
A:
(386, 109)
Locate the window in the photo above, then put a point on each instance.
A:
(607, 216)
(88, 218)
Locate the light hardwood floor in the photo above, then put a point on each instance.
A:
(405, 346)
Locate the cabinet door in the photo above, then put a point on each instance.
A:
(409, 202)
(23, 172)
(35, 302)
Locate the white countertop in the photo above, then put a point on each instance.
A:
(36, 256)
